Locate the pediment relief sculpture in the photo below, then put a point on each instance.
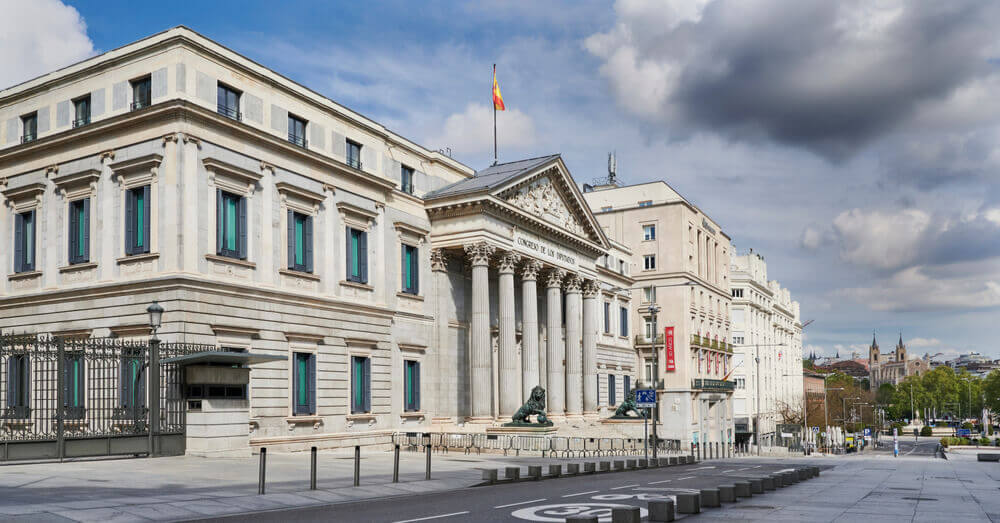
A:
(542, 199)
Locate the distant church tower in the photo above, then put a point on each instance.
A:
(873, 351)
(900, 349)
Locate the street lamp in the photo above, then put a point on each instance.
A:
(756, 359)
(155, 318)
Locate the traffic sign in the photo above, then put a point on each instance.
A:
(645, 398)
(868, 431)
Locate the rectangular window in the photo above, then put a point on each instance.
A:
(607, 318)
(411, 269)
(737, 293)
(406, 179)
(606, 209)
(81, 111)
(137, 216)
(612, 399)
(304, 384)
(73, 392)
(132, 385)
(354, 154)
(737, 340)
(229, 102)
(649, 262)
(24, 241)
(623, 315)
(231, 225)
(411, 386)
(18, 387)
(645, 203)
(649, 294)
(357, 255)
(141, 93)
(650, 327)
(361, 377)
(79, 231)
(648, 232)
(30, 124)
(300, 242)
(626, 385)
(297, 130)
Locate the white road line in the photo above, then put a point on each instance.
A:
(581, 493)
(518, 503)
(685, 477)
(658, 482)
(625, 486)
(728, 471)
(703, 468)
(433, 517)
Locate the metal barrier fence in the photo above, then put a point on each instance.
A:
(547, 446)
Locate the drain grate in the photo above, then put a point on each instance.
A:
(921, 499)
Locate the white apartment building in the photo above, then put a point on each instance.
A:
(765, 324)
(680, 262)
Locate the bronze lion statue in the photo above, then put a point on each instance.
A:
(628, 406)
(535, 406)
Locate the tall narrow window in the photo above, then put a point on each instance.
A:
(141, 93)
(612, 399)
(137, 224)
(411, 269)
(30, 131)
(297, 130)
(354, 154)
(361, 376)
(81, 111)
(626, 385)
(411, 386)
(623, 314)
(406, 179)
(304, 383)
(24, 241)
(132, 385)
(607, 317)
(79, 231)
(357, 255)
(649, 294)
(648, 232)
(649, 262)
(18, 387)
(73, 392)
(231, 225)
(300, 242)
(229, 102)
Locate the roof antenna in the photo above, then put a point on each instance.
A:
(612, 168)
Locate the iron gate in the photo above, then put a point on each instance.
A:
(65, 398)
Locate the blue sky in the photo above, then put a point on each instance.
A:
(857, 155)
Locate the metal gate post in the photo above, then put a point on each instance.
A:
(60, 397)
(154, 393)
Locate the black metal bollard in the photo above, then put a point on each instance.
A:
(263, 469)
(312, 469)
(395, 465)
(428, 475)
(357, 465)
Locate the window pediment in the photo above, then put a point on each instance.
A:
(298, 198)
(137, 171)
(25, 197)
(81, 183)
(231, 177)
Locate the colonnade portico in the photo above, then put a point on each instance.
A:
(570, 360)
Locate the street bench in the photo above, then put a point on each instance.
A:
(988, 457)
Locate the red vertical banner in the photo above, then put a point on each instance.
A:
(668, 341)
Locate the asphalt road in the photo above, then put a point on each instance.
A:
(546, 500)
(909, 446)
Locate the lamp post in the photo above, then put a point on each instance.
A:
(155, 312)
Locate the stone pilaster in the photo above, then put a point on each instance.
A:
(193, 200)
(435, 388)
(529, 327)
(268, 248)
(556, 351)
(481, 380)
(574, 356)
(171, 227)
(510, 396)
(48, 238)
(111, 237)
(590, 292)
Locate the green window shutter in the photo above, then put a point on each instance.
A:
(363, 256)
(408, 384)
(230, 230)
(353, 266)
(18, 243)
(29, 241)
(355, 389)
(612, 400)
(308, 226)
(144, 229)
(300, 253)
(301, 370)
(311, 384)
(74, 232)
(241, 228)
(415, 270)
(404, 263)
(291, 240)
(220, 222)
(416, 386)
(85, 252)
(367, 383)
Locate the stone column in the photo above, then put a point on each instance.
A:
(574, 356)
(480, 351)
(590, 292)
(437, 390)
(170, 176)
(510, 396)
(556, 352)
(47, 237)
(529, 328)
(268, 249)
(104, 209)
(192, 245)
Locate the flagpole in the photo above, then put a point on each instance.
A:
(495, 159)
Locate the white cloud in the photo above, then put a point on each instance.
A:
(885, 240)
(811, 238)
(471, 131)
(39, 36)
(923, 342)
(971, 285)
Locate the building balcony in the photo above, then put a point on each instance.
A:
(713, 385)
(696, 340)
(642, 339)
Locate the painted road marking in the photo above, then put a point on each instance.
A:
(728, 471)
(433, 517)
(581, 493)
(522, 503)
(624, 486)
(558, 513)
(658, 482)
(685, 477)
(703, 468)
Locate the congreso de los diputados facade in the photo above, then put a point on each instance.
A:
(370, 285)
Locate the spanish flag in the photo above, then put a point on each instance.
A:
(497, 97)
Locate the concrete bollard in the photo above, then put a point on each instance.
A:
(672, 460)
(619, 464)
(572, 468)
(589, 467)
(661, 510)
(604, 466)
(688, 503)
(779, 480)
(641, 463)
(791, 478)
(490, 475)
(803, 474)
(555, 471)
(815, 472)
(582, 519)
(727, 493)
(664, 462)
(535, 472)
(626, 515)
(756, 486)
(710, 497)
(743, 489)
(630, 463)
(767, 482)
(512, 473)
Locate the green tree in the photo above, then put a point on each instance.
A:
(991, 390)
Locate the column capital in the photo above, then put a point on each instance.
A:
(591, 289)
(479, 253)
(554, 278)
(529, 271)
(439, 260)
(573, 283)
(507, 261)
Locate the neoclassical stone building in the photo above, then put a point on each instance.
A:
(400, 288)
